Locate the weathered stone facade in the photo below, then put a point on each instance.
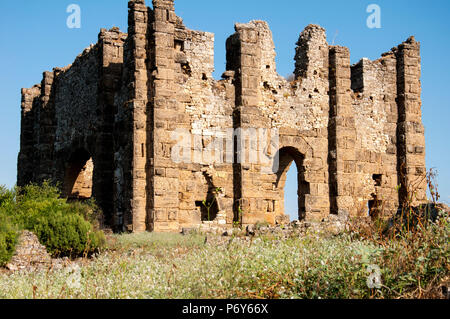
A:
(104, 126)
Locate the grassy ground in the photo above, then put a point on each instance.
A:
(174, 266)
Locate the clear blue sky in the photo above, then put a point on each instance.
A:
(35, 38)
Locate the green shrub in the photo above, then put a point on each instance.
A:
(39, 192)
(67, 234)
(64, 228)
(6, 195)
(8, 239)
(88, 210)
(7, 199)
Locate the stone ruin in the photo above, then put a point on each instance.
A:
(103, 126)
(30, 255)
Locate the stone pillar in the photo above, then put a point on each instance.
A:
(248, 43)
(137, 34)
(165, 115)
(111, 62)
(387, 191)
(311, 70)
(47, 127)
(410, 130)
(342, 134)
(27, 155)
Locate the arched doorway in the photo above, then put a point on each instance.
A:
(78, 176)
(291, 193)
(298, 189)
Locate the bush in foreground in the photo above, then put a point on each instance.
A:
(61, 227)
(67, 234)
(165, 266)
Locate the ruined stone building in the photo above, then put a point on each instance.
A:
(103, 126)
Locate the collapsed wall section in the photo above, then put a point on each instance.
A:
(390, 144)
(186, 101)
(208, 105)
(297, 111)
(374, 103)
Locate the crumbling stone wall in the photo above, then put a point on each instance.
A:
(354, 132)
(69, 123)
(375, 109)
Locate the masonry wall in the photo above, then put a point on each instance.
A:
(375, 108)
(207, 106)
(186, 98)
(130, 103)
(68, 119)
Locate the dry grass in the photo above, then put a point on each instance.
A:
(176, 266)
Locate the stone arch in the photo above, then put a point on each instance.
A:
(287, 156)
(78, 175)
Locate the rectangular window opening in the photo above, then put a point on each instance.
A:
(179, 45)
(378, 178)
